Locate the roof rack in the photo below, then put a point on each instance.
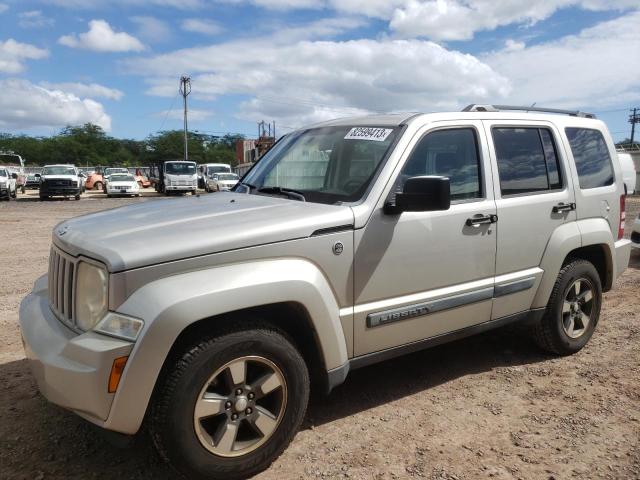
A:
(499, 108)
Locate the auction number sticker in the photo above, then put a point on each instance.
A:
(368, 133)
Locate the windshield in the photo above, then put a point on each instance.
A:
(180, 168)
(211, 170)
(3, 172)
(326, 165)
(122, 178)
(111, 171)
(227, 176)
(62, 170)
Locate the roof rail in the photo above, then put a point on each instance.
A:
(499, 108)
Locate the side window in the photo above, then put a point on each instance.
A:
(449, 153)
(527, 160)
(591, 154)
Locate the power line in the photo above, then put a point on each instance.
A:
(173, 102)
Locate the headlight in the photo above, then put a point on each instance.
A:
(91, 295)
(120, 326)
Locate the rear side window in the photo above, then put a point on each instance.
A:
(527, 160)
(592, 158)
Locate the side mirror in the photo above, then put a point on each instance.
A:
(424, 194)
(14, 176)
(37, 175)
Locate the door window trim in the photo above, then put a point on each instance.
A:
(562, 159)
(482, 180)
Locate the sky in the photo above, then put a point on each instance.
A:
(117, 63)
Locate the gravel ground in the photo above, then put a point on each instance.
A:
(488, 406)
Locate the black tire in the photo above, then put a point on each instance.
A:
(23, 190)
(43, 198)
(193, 192)
(77, 197)
(549, 332)
(172, 411)
(15, 193)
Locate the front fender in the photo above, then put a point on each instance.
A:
(171, 304)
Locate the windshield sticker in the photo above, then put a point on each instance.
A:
(368, 133)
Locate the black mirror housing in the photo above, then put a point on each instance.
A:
(424, 194)
(37, 175)
(14, 176)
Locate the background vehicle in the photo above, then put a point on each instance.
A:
(8, 188)
(206, 169)
(111, 171)
(121, 184)
(174, 176)
(348, 243)
(141, 177)
(60, 181)
(32, 183)
(217, 182)
(628, 172)
(635, 233)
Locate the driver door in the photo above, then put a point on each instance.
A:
(422, 274)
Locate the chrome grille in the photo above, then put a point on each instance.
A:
(62, 270)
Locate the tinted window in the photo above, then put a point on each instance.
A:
(592, 158)
(448, 153)
(527, 160)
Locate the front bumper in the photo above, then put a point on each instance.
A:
(180, 188)
(54, 190)
(71, 370)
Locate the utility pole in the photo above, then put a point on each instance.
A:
(633, 119)
(185, 90)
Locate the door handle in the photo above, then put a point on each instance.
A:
(481, 220)
(563, 207)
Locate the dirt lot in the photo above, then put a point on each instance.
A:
(488, 406)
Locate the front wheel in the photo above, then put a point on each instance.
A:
(231, 404)
(573, 310)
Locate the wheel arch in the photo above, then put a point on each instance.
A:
(290, 295)
(589, 239)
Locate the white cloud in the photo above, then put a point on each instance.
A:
(102, 38)
(152, 29)
(205, 27)
(195, 114)
(460, 19)
(25, 105)
(513, 45)
(313, 80)
(13, 54)
(84, 90)
(598, 67)
(34, 19)
(95, 4)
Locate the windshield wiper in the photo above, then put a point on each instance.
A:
(295, 194)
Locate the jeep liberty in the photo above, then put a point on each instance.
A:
(350, 242)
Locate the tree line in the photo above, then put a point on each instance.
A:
(89, 145)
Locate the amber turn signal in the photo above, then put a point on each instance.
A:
(116, 372)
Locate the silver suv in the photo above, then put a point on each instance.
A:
(350, 242)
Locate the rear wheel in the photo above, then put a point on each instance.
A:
(231, 404)
(573, 310)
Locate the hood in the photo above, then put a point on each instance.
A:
(172, 229)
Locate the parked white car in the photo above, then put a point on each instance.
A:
(122, 184)
(8, 189)
(628, 172)
(218, 182)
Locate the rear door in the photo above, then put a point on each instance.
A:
(534, 196)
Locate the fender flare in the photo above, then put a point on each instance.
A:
(565, 239)
(171, 304)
